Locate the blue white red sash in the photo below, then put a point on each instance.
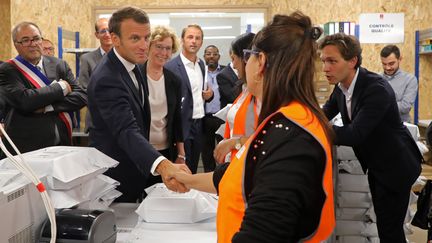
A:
(39, 80)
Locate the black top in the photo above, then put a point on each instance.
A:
(229, 85)
(283, 185)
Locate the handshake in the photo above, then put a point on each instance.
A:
(178, 178)
(168, 170)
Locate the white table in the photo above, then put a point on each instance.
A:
(131, 230)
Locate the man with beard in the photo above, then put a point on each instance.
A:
(210, 122)
(404, 84)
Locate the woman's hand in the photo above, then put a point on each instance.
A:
(223, 148)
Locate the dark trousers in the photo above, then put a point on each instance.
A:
(210, 139)
(192, 145)
(390, 209)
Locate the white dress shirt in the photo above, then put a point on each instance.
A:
(129, 67)
(195, 76)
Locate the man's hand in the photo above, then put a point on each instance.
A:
(167, 171)
(65, 83)
(207, 94)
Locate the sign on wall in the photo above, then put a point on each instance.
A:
(381, 28)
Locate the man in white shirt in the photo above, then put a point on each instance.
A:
(118, 102)
(190, 70)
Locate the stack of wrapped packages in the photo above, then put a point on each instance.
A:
(355, 216)
(73, 176)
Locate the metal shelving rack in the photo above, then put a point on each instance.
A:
(420, 35)
(73, 36)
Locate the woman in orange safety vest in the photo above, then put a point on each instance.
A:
(278, 187)
(242, 116)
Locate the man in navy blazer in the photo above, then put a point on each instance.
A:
(373, 127)
(191, 71)
(118, 102)
(229, 85)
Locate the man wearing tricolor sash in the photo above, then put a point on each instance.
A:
(39, 93)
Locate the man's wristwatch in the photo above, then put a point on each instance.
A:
(238, 144)
(181, 157)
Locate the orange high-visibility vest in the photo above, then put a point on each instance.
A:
(240, 120)
(232, 203)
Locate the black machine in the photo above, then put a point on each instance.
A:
(82, 226)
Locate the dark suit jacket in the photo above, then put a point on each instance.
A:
(380, 141)
(174, 118)
(28, 130)
(88, 63)
(229, 86)
(176, 66)
(121, 124)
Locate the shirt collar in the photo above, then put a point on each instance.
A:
(128, 65)
(350, 90)
(186, 61)
(217, 70)
(40, 63)
(394, 75)
(102, 51)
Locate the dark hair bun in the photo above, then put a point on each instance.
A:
(315, 33)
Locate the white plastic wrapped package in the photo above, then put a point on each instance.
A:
(87, 191)
(413, 129)
(356, 228)
(68, 165)
(352, 239)
(356, 214)
(345, 153)
(8, 175)
(353, 183)
(101, 203)
(354, 200)
(351, 167)
(164, 206)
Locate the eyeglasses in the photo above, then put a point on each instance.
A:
(247, 53)
(103, 31)
(28, 41)
(160, 47)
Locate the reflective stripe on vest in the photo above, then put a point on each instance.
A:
(232, 201)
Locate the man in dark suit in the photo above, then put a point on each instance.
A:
(229, 84)
(89, 60)
(373, 127)
(38, 93)
(190, 70)
(118, 102)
